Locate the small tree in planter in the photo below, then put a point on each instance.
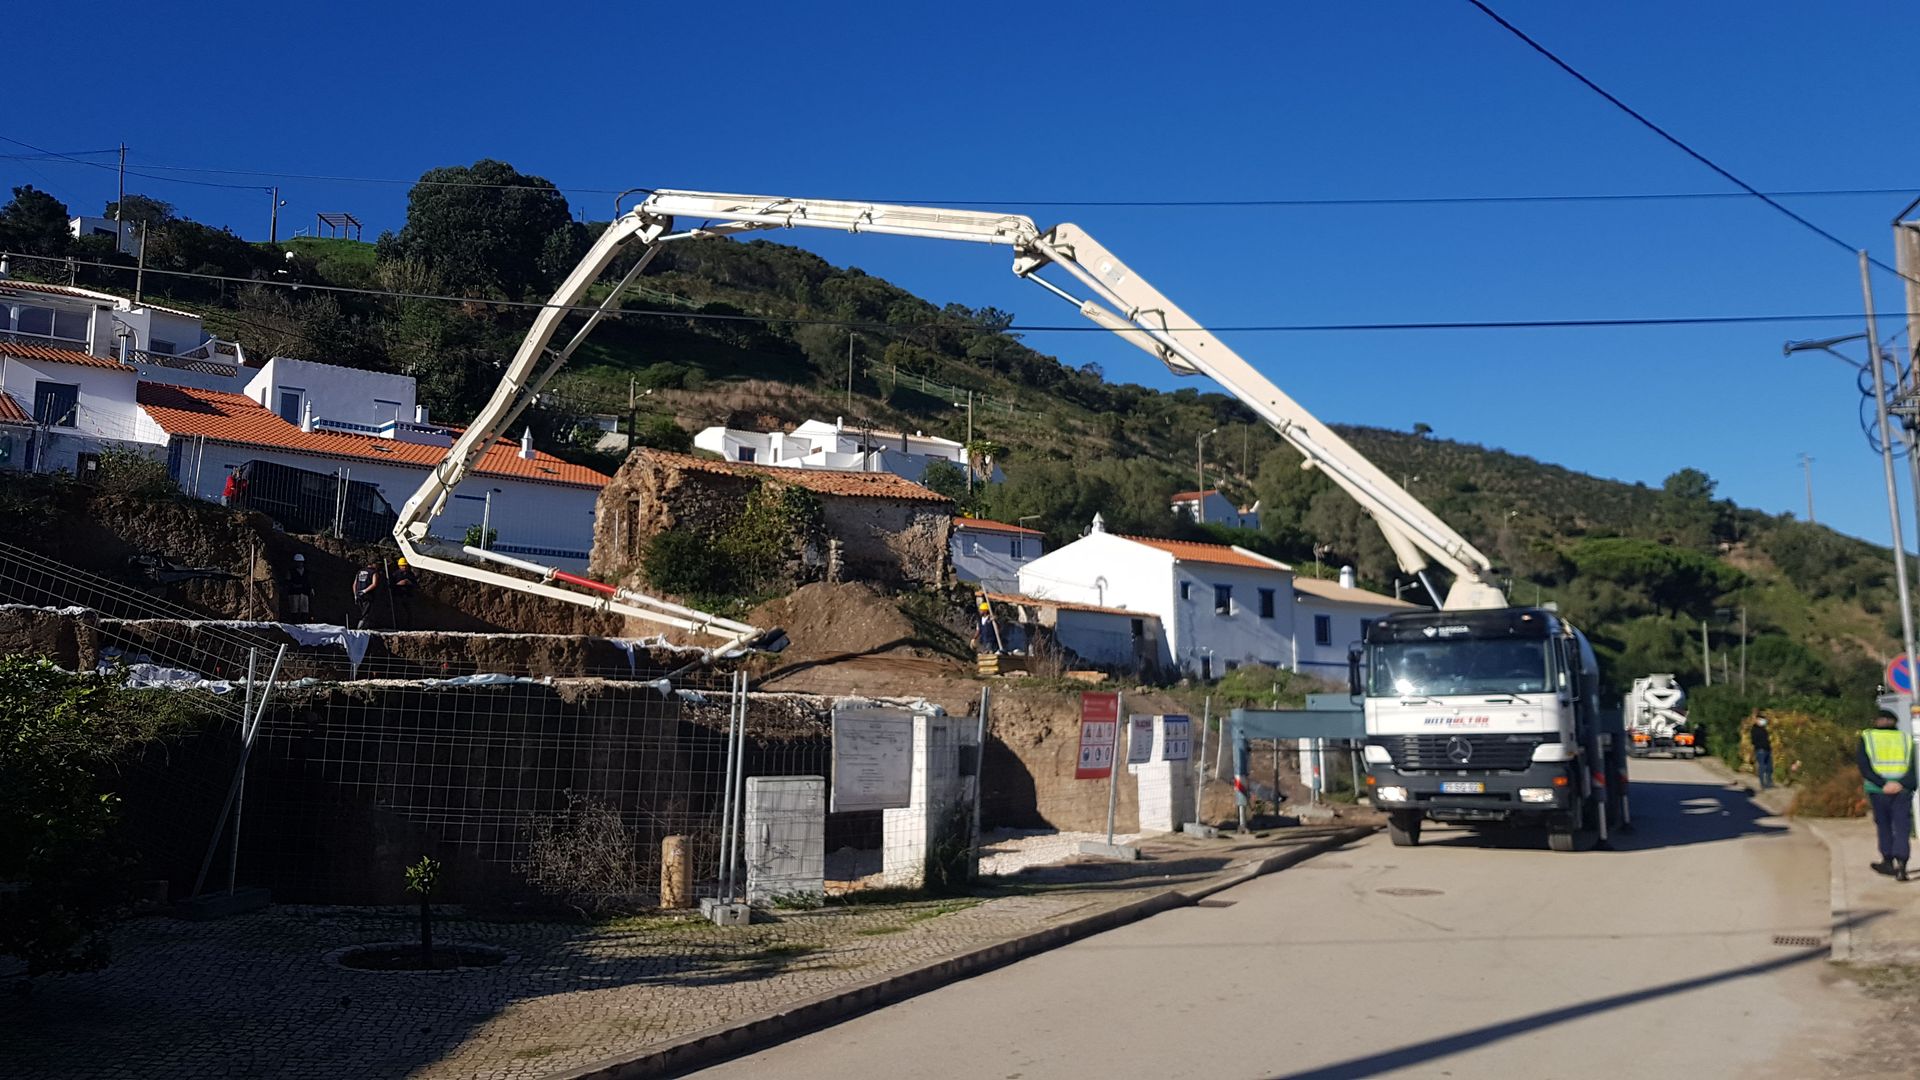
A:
(421, 878)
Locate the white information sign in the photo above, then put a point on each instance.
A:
(1179, 736)
(1139, 740)
(872, 759)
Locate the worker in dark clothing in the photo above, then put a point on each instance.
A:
(366, 590)
(1762, 752)
(296, 593)
(404, 584)
(1887, 769)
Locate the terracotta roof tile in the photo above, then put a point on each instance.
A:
(865, 485)
(1193, 496)
(56, 355)
(1039, 601)
(12, 412)
(1218, 554)
(241, 421)
(1331, 590)
(984, 525)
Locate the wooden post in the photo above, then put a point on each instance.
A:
(676, 873)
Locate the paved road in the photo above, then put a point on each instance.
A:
(1469, 957)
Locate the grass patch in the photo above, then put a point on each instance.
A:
(631, 923)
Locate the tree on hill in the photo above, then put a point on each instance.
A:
(141, 210)
(1674, 579)
(488, 230)
(34, 223)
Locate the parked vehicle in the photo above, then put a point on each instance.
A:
(1654, 721)
(1490, 716)
(303, 501)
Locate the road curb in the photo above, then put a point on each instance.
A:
(702, 1049)
(1840, 945)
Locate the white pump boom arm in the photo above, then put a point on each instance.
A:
(1122, 302)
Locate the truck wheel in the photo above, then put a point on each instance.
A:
(1561, 839)
(1403, 829)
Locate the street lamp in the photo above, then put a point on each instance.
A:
(968, 449)
(1200, 474)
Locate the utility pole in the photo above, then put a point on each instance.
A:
(969, 447)
(273, 219)
(1886, 463)
(1743, 650)
(140, 267)
(120, 205)
(1200, 476)
(848, 407)
(633, 415)
(1806, 466)
(1706, 653)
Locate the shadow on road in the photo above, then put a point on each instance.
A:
(1448, 1045)
(1665, 815)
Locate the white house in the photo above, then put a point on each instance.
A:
(1209, 507)
(541, 507)
(77, 404)
(817, 444)
(85, 225)
(107, 325)
(1109, 637)
(1332, 618)
(992, 552)
(340, 398)
(1220, 606)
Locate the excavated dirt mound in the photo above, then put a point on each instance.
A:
(839, 620)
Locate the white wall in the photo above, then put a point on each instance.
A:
(548, 517)
(1108, 571)
(1241, 636)
(1345, 619)
(106, 417)
(982, 555)
(349, 395)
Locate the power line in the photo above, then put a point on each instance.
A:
(53, 156)
(1696, 155)
(1027, 328)
(1241, 203)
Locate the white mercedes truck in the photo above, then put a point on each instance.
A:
(1490, 717)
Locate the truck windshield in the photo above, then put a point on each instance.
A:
(1460, 666)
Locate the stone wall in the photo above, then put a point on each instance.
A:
(890, 542)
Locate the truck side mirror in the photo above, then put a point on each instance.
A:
(1353, 673)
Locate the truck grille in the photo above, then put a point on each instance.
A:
(1444, 751)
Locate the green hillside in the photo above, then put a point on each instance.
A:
(756, 333)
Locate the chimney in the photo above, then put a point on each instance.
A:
(526, 444)
(1346, 577)
(306, 416)
(839, 423)
(419, 414)
(1099, 523)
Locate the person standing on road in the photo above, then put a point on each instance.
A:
(1887, 768)
(366, 589)
(1762, 752)
(296, 593)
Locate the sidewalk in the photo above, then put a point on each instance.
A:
(1876, 920)
(258, 995)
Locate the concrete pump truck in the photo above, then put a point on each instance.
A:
(1477, 712)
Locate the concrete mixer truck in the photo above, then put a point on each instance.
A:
(1654, 721)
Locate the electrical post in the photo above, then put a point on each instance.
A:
(1886, 462)
(1113, 771)
(1806, 466)
(273, 216)
(120, 206)
(1706, 653)
(1200, 476)
(848, 407)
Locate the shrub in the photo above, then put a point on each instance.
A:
(135, 475)
(586, 857)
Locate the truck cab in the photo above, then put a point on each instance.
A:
(1490, 716)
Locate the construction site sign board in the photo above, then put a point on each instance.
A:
(872, 759)
(1099, 729)
(1179, 736)
(1139, 740)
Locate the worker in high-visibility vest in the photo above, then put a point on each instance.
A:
(1887, 768)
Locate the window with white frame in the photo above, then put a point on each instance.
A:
(1223, 599)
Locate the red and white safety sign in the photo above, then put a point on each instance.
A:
(1099, 728)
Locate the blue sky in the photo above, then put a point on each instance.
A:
(1014, 102)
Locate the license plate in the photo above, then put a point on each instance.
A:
(1462, 787)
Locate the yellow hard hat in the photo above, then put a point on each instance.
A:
(399, 562)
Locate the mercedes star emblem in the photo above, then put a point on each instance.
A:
(1459, 750)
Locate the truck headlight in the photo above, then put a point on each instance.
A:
(1536, 794)
(1554, 751)
(1377, 754)
(1389, 794)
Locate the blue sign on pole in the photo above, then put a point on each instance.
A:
(1900, 674)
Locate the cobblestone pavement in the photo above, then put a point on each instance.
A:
(256, 995)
